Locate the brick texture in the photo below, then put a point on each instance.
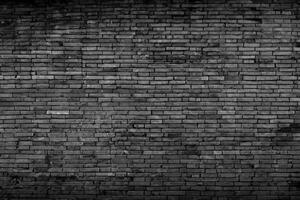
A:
(139, 99)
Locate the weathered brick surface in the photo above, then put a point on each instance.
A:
(148, 99)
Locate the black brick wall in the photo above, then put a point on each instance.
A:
(148, 99)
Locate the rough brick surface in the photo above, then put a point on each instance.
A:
(128, 99)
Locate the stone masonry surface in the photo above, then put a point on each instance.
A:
(153, 100)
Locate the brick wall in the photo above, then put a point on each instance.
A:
(148, 99)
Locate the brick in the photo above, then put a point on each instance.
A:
(57, 112)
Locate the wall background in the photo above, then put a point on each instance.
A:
(150, 99)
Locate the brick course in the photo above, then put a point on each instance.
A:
(162, 99)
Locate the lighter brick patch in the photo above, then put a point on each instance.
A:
(42, 77)
(105, 174)
(57, 112)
